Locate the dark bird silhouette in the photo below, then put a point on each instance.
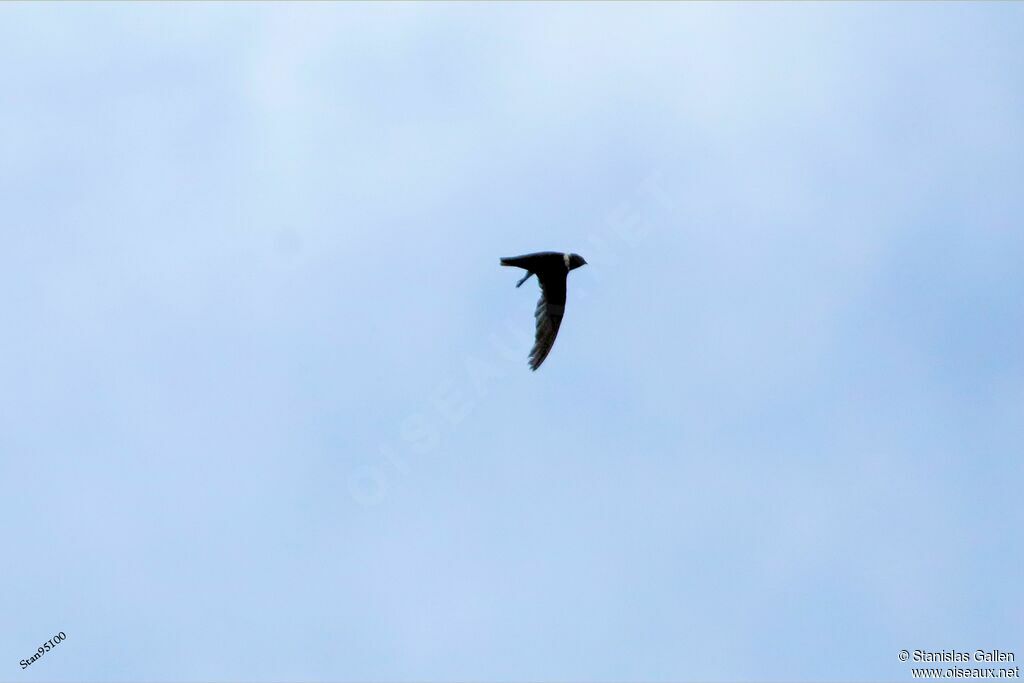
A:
(552, 269)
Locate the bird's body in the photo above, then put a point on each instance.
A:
(552, 269)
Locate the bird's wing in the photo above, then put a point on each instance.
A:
(533, 261)
(550, 309)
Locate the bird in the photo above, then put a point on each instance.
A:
(552, 270)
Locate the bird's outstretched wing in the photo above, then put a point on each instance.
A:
(550, 309)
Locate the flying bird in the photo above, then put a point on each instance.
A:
(552, 269)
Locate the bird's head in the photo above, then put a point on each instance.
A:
(575, 261)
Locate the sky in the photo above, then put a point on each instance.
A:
(265, 412)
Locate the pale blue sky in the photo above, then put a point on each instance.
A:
(265, 409)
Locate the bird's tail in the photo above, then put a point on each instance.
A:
(506, 261)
